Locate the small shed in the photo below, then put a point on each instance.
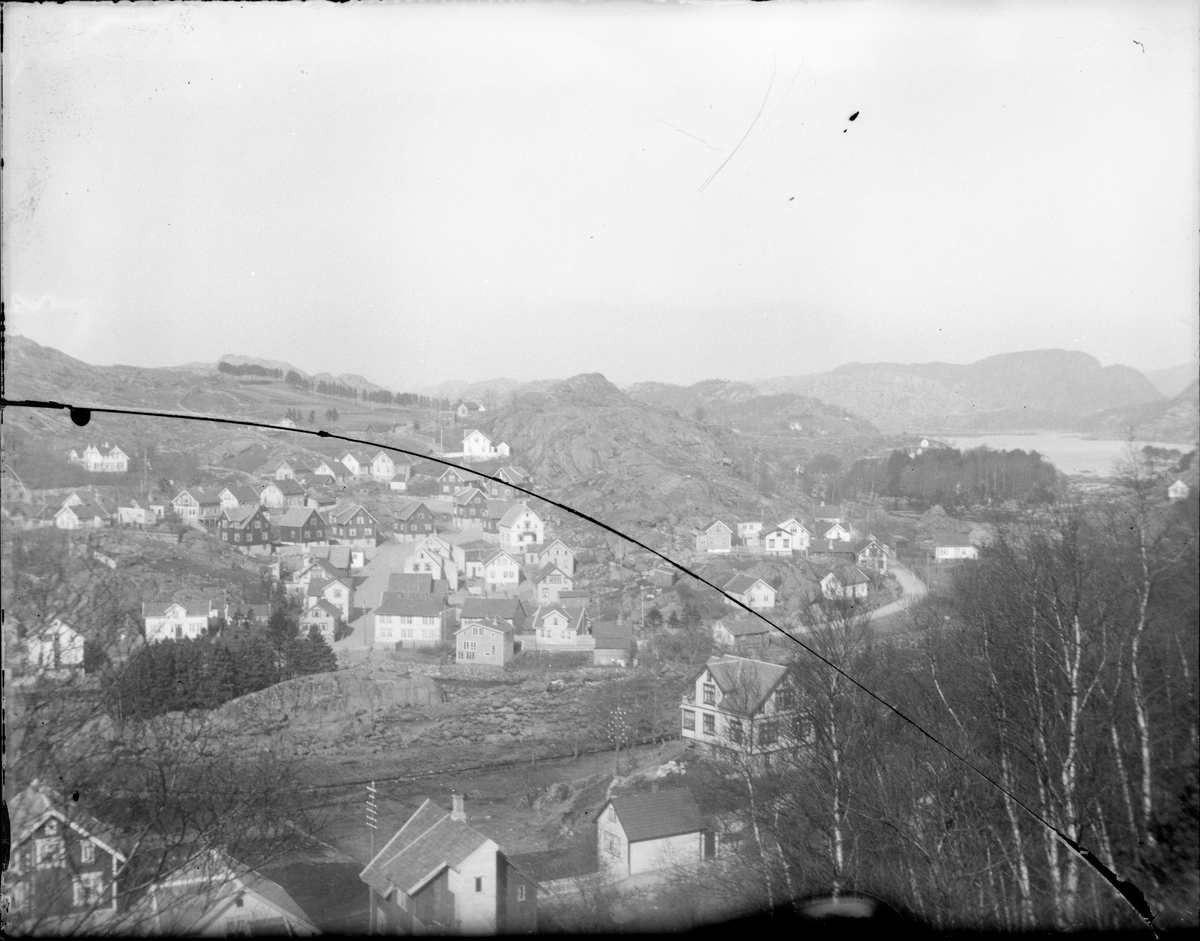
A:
(646, 832)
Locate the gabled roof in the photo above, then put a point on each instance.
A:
(547, 569)
(85, 510)
(866, 544)
(317, 586)
(28, 810)
(459, 473)
(289, 488)
(466, 496)
(297, 516)
(342, 516)
(612, 635)
(507, 609)
(242, 493)
(514, 514)
(497, 508)
(410, 583)
(324, 606)
(358, 456)
(744, 627)
(241, 515)
(405, 512)
(576, 617)
(954, 540)
(711, 523)
(495, 554)
(475, 431)
(393, 604)
(555, 542)
(834, 547)
(655, 816)
(742, 583)
(729, 671)
(513, 474)
(491, 624)
(428, 843)
(849, 575)
(158, 609)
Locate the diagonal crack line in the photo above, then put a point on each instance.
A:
(704, 185)
(1127, 890)
(689, 134)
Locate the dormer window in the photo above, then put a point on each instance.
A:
(710, 694)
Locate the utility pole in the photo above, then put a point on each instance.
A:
(372, 825)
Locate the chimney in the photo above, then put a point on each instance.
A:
(458, 813)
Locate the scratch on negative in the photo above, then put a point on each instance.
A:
(692, 136)
(744, 136)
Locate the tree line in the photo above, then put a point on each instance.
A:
(381, 396)
(1063, 666)
(249, 369)
(206, 672)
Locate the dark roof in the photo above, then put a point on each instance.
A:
(545, 570)
(851, 575)
(289, 488)
(410, 583)
(428, 843)
(30, 807)
(728, 672)
(298, 516)
(744, 627)
(466, 496)
(711, 523)
(502, 626)
(612, 635)
(393, 604)
(504, 608)
(956, 540)
(657, 815)
(406, 511)
(740, 584)
(514, 513)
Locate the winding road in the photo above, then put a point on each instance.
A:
(913, 590)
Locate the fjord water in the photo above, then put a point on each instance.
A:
(1071, 454)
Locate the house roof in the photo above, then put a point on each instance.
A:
(954, 540)
(410, 583)
(553, 542)
(343, 516)
(86, 510)
(497, 508)
(158, 609)
(514, 514)
(29, 808)
(491, 624)
(865, 544)
(406, 512)
(241, 515)
(324, 606)
(728, 672)
(834, 547)
(654, 816)
(744, 627)
(611, 635)
(359, 456)
(242, 493)
(741, 583)
(850, 575)
(394, 604)
(545, 570)
(466, 496)
(495, 554)
(289, 488)
(298, 516)
(711, 523)
(507, 609)
(475, 431)
(576, 617)
(317, 586)
(513, 474)
(427, 843)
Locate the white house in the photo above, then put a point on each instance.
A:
(136, 512)
(521, 528)
(742, 707)
(750, 591)
(778, 541)
(748, 532)
(56, 649)
(838, 533)
(438, 875)
(356, 463)
(339, 592)
(478, 447)
(559, 554)
(647, 832)
(501, 572)
(411, 620)
(549, 582)
(106, 460)
(954, 546)
(801, 534)
(169, 620)
(382, 466)
(554, 627)
(846, 582)
(82, 516)
(425, 560)
(1178, 491)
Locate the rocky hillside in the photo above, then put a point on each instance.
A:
(1037, 389)
(1173, 381)
(1177, 419)
(742, 406)
(629, 463)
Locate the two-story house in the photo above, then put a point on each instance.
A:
(779, 542)
(869, 554)
(714, 537)
(748, 532)
(169, 620)
(507, 610)
(549, 582)
(301, 526)
(510, 478)
(751, 591)
(742, 708)
(521, 528)
(479, 447)
(382, 466)
(64, 866)
(557, 553)
(802, 535)
(412, 521)
(452, 480)
(247, 528)
(54, 650)
(136, 512)
(470, 507)
(501, 571)
(106, 460)
(662, 830)
(339, 592)
(838, 533)
(238, 495)
(438, 875)
(411, 620)
(353, 525)
(484, 643)
(555, 627)
(357, 463)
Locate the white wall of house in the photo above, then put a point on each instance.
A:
(476, 907)
(414, 631)
(649, 855)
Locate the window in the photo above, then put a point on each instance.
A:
(710, 724)
(710, 694)
(785, 699)
(237, 537)
(88, 888)
(353, 531)
(479, 883)
(689, 720)
(520, 893)
(612, 845)
(493, 650)
(735, 731)
(48, 852)
(87, 852)
(769, 733)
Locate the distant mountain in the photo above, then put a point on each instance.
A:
(502, 389)
(1177, 419)
(1171, 382)
(741, 406)
(1036, 389)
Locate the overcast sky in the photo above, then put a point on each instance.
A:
(652, 191)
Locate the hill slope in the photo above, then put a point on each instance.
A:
(1173, 381)
(1048, 389)
(1177, 419)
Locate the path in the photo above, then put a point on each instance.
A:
(912, 588)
